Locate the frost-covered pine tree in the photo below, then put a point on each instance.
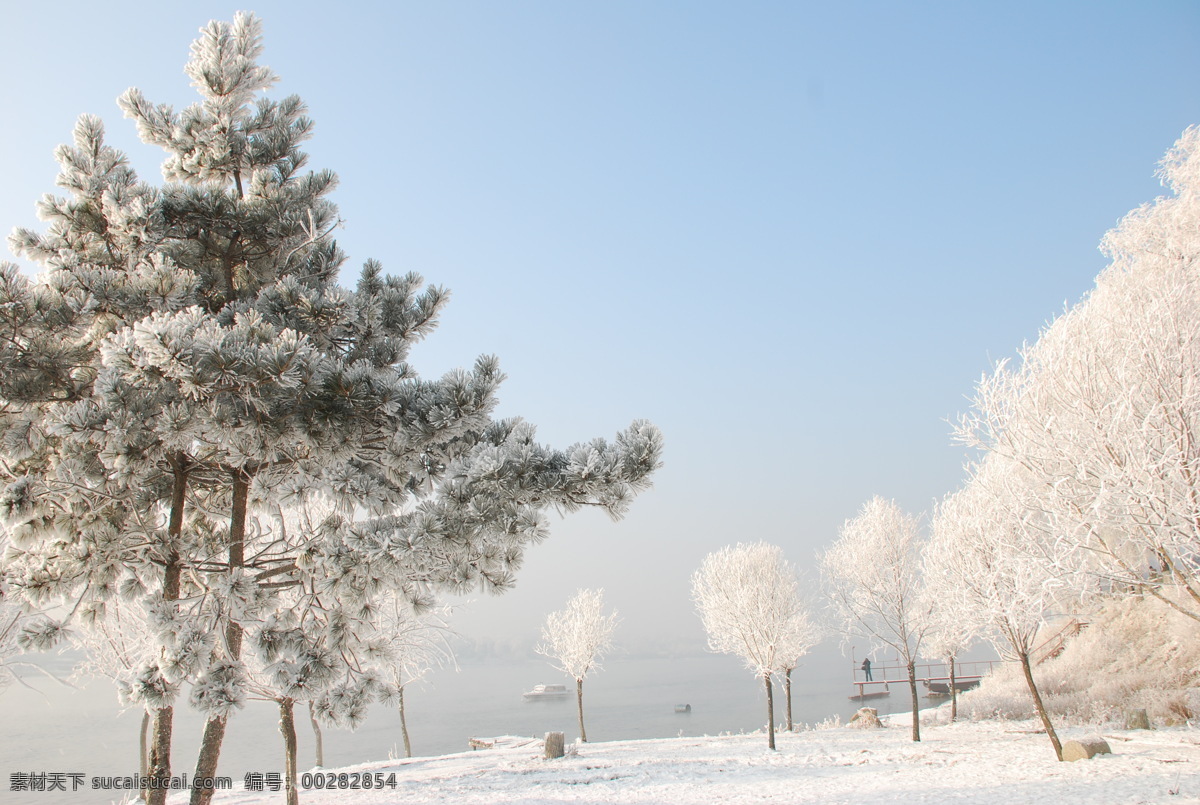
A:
(187, 360)
(337, 651)
(228, 394)
(242, 218)
(86, 512)
(748, 597)
(16, 624)
(871, 576)
(289, 660)
(577, 638)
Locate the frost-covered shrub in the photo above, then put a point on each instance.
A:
(830, 723)
(1136, 653)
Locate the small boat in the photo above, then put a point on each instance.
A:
(547, 692)
(683, 708)
(943, 688)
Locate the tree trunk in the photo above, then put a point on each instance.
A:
(787, 695)
(206, 763)
(953, 694)
(164, 717)
(770, 713)
(916, 716)
(287, 726)
(318, 739)
(144, 752)
(404, 726)
(1037, 703)
(160, 756)
(214, 728)
(237, 519)
(579, 704)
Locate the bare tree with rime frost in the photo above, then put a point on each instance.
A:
(11, 616)
(992, 559)
(951, 631)
(119, 644)
(186, 360)
(1103, 410)
(413, 639)
(800, 634)
(748, 597)
(871, 577)
(577, 638)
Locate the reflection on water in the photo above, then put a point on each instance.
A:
(83, 730)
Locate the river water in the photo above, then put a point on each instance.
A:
(82, 730)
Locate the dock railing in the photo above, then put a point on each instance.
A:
(889, 673)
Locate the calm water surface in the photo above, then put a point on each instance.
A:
(60, 729)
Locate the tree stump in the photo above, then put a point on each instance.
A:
(1137, 720)
(555, 745)
(1085, 748)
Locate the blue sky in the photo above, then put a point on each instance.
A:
(792, 235)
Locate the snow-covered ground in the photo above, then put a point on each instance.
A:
(981, 762)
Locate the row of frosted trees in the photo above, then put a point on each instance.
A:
(1087, 479)
(749, 599)
(197, 420)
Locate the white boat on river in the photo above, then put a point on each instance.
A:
(547, 692)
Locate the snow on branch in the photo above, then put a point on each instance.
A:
(1103, 411)
(871, 576)
(747, 595)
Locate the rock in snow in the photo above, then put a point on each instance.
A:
(1085, 748)
(865, 718)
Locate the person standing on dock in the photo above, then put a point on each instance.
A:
(866, 667)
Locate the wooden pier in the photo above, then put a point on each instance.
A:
(932, 675)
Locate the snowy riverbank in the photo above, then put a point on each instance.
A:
(982, 762)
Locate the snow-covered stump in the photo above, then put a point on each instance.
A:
(1137, 720)
(1085, 748)
(555, 745)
